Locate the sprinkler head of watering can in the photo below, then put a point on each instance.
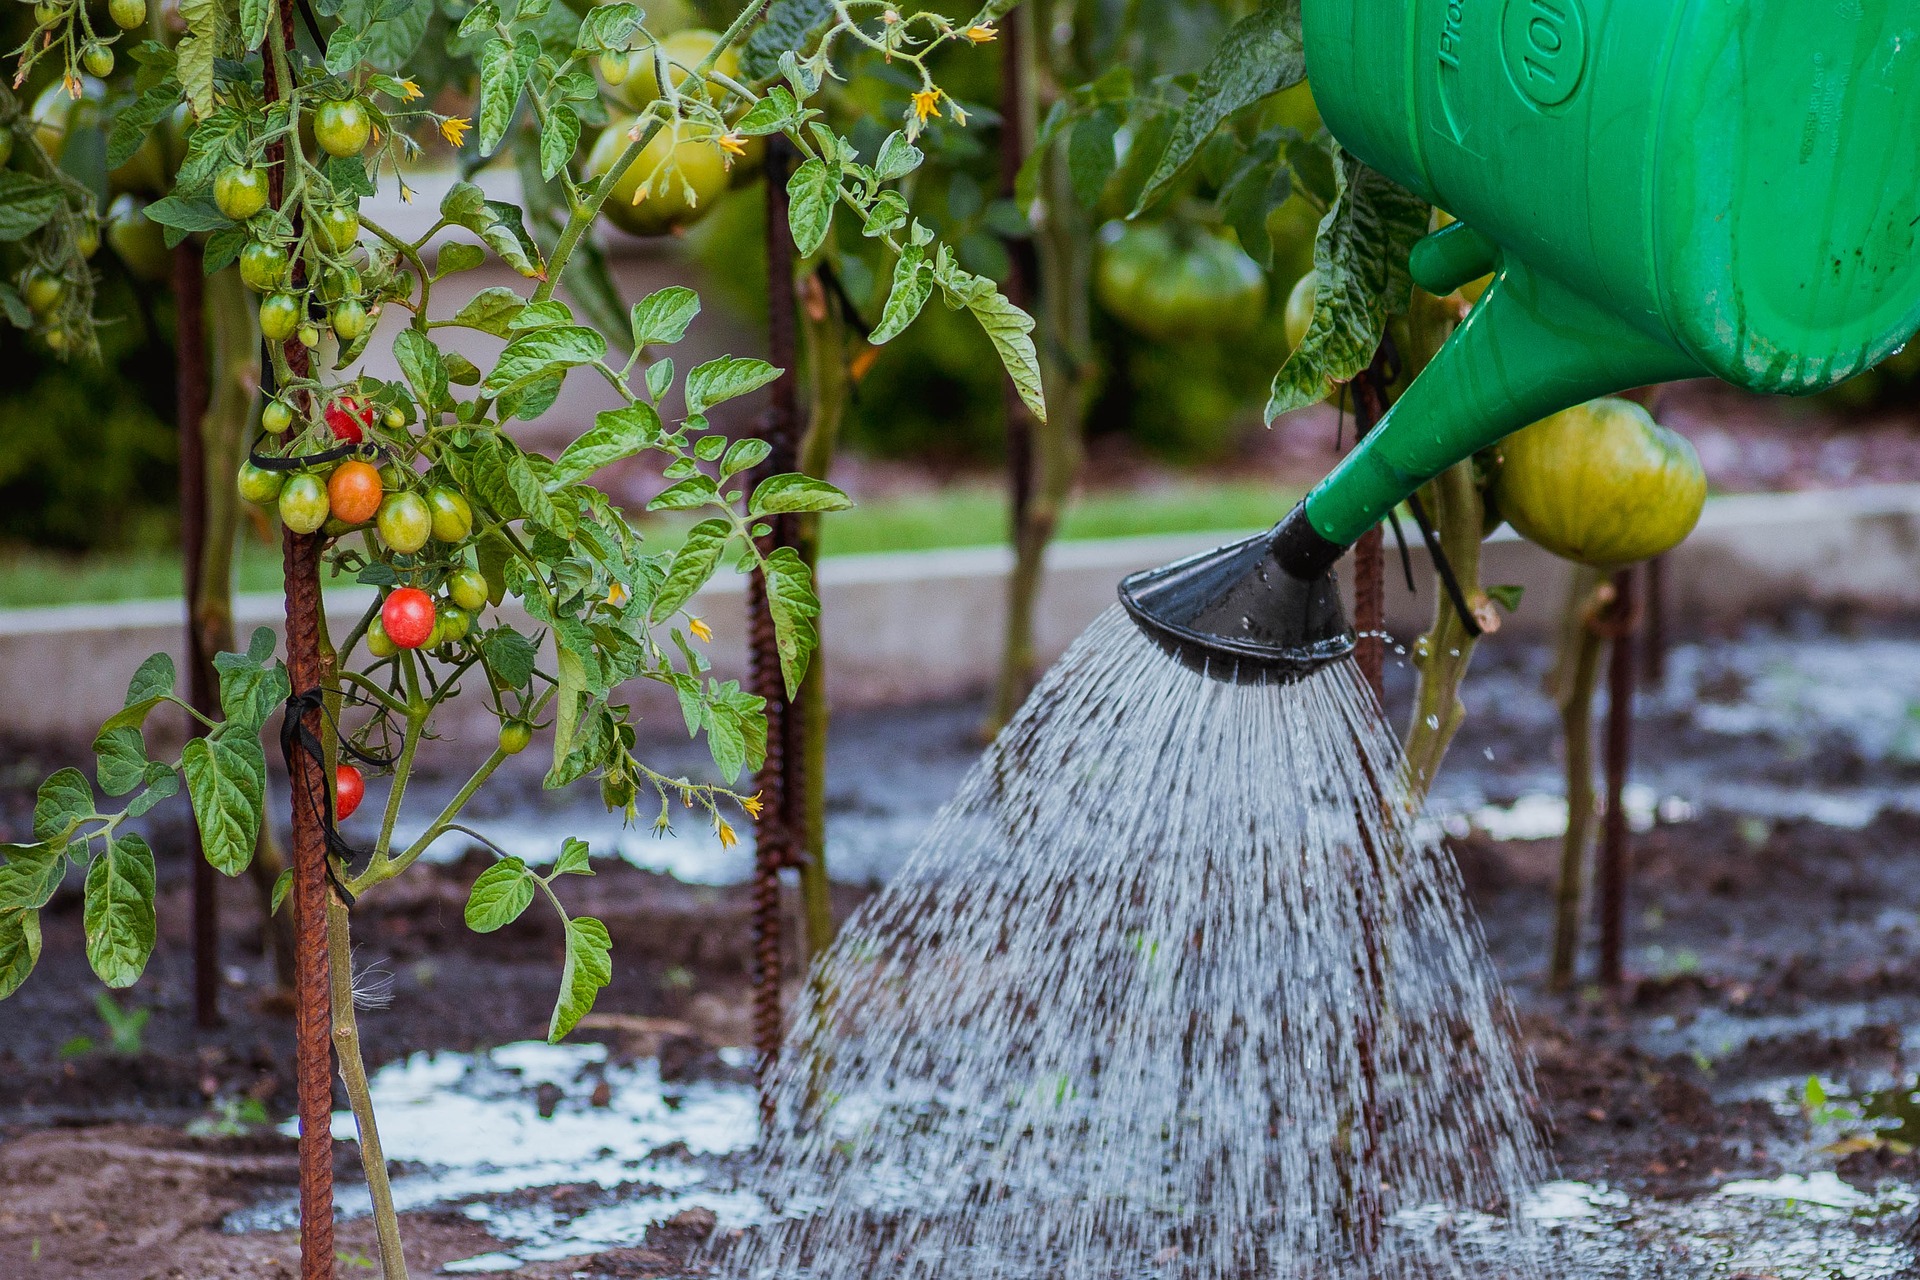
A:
(1263, 609)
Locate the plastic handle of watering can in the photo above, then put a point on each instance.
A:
(1531, 347)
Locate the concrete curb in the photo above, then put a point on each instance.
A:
(919, 626)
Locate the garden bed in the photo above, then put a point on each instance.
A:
(1775, 936)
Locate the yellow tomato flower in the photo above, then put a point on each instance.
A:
(701, 631)
(454, 130)
(728, 837)
(926, 103)
(617, 595)
(752, 804)
(982, 34)
(733, 144)
(409, 91)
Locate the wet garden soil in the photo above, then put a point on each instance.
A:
(1763, 951)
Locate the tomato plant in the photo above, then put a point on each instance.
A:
(466, 517)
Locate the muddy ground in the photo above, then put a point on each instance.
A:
(1764, 951)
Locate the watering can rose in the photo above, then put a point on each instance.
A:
(1602, 484)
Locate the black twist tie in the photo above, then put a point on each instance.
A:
(295, 736)
(1444, 567)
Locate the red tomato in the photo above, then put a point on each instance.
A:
(349, 788)
(346, 417)
(408, 617)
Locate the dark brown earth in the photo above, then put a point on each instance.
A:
(1766, 952)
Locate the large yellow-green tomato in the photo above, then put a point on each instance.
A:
(685, 50)
(141, 244)
(1299, 313)
(696, 163)
(1173, 284)
(303, 503)
(1601, 484)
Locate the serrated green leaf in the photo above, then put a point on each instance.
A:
(253, 22)
(557, 140)
(120, 759)
(588, 968)
(30, 874)
(64, 799)
(118, 915)
(718, 381)
(573, 859)
(135, 121)
(793, 606)
(19, 947)
(491, 310)
(1008, 327)
(743, 455)
(1261, 55)
(162, 783)
(198, 50)
(615, 434)
(1361, 255)
(693, 564)
(425, 370)
(501, 81)
(694, 491)
(793, 491)
(811, 192)
(510, 656)
(897, 158)
(458, 257)
(227, 781)
(499, 895)
(542, 353)
(661, 318)
(609, 26)
(912, 286)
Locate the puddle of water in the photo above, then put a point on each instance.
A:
(480, 1130)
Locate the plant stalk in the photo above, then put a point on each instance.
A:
(1576, 675)
(1455, 505)
(1616, 839)
(353, 1073)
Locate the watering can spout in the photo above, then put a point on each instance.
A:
(1268, 607)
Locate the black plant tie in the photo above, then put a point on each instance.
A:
(294, 735)
(1406, 556)
(1444, 568)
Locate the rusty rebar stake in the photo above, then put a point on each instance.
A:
(781, 787)
(1615, 837)
(307, 780)
(191, 397)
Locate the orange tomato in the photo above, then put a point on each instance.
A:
(354, 491)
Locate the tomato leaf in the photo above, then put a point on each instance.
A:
(510, 656)
(794, 606)
(120, 759)
(811, 192)
(693, 564)
(1261, 55)
(615, 434)
(63, 801)
(118, 914)
(420, 361)
(227, 781)
(1361, 255)
(662, 317)
(912, 286)
(501, 79)
(743, 455)
(458, 256)
(589, 967)
(280, 887)
(499, 895)
(543, 352)
(19, 947)
(718, 381)
(251, 691)
(795, 492)
(694, 491)
(609, 26)
(490, 310)
(31, 874)
(573, 859)
(558, 140)
(1008, 327)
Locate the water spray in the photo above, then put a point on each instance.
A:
(1660, 190)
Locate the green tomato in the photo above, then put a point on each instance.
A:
(87, 238)
(279, 318)
(394, 418)
(613, 68)
(303, 503)
(127, 14)
(47, 12)
(342, 128)
(140, 244)
(452, 622)
(468, 587)
(276, 417)
(263, 266)
(349, 320)
(309, 335)
(452, 514)
(1173, 283)
(1601, 484)
(240, 191)
(336, 228)
(43, 290)
(672, 171)
(56, 340)
(98, 60)
(259, 485)
(379, 643)
(405, 523)
(1299, 313)
(514, 737)
(338, 285)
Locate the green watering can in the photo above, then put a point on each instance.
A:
(1663, 189)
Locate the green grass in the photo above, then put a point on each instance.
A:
(957, 517)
